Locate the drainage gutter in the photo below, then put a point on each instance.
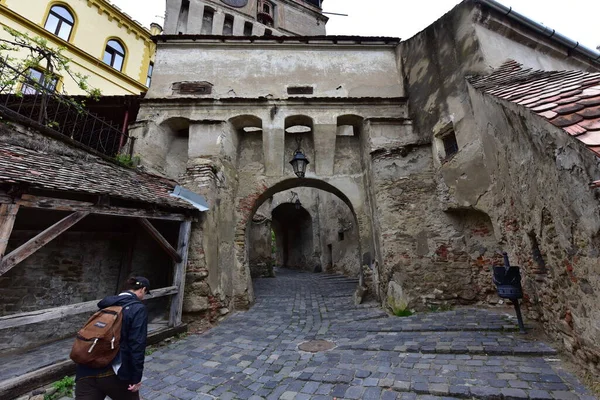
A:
(544, 30)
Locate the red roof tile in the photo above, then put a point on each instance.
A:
(567, 99)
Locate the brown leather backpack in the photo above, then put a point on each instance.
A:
(97, 343)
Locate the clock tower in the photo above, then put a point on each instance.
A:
(245, 17)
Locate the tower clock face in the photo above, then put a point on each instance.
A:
(235, 3)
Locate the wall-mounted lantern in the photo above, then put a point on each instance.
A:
(295, 200)
(299, 162)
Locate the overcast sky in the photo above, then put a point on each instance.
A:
(576, 19)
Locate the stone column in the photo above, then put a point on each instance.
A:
(172, 16)
(324, 136)
(196, 14)
(238, 26)
(218, 22)
(274, 150)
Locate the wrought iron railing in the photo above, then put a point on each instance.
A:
(32, 102)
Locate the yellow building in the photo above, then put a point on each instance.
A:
(105, 44)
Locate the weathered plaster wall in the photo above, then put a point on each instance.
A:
(253, 70)
(548, 201)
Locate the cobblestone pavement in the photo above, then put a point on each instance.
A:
(468, 353)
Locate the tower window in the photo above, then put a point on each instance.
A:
(207, 21)
(228, 25)
(265, 13)
(248, 28)
(450, 144)
(60, 21)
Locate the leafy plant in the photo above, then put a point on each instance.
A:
(403, 313)
(127, 160)
(149, 351)
(440, 308)
(64, 388)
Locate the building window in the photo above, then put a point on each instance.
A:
(36, 78)
(60, 21)
(149, 76)
(265, 13)
(228, 25)
(248, 28)
(207, 21)
(450, 144)
(114, 54)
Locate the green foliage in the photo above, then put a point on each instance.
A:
(127, 161)
(181, 336)
(273, 242)
(403, 313)
(149, 351)
(64, 388)
(440, 308)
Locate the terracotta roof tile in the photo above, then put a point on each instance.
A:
(566, 120)
(92, 175)
(591, 138)
(568, 99)
(548, 114)
(568, 108)
(590, 112)
(590, 101)
(575, 130)
(544, 107)
(591, 124)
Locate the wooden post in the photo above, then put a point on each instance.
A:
(179, 274)
(160, 239)
(8, 214)
(39, 241)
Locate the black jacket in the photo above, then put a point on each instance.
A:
(133, 339)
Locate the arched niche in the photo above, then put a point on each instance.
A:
(177, 136)
(299, 134)
(348, 145)
(249, 133)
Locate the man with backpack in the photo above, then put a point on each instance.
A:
(110, 360)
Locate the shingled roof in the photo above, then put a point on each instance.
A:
(568, 99)
(90, 175)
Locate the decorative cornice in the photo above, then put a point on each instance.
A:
(122, 19)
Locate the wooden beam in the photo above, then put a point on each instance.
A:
(50, 203)
(8, 214)
(33, 317)
(160, 239)
(183, 244)
(39, 241)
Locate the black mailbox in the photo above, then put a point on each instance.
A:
(508, 284)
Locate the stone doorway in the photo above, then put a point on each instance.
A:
(321, 234)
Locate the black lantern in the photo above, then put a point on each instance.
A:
(299, 162)
(295, 200)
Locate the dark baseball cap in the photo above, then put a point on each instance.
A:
(143, 282)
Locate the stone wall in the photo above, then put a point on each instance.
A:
(547, 218)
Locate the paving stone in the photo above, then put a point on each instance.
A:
(255, 354)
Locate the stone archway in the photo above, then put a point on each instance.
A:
(243, 293)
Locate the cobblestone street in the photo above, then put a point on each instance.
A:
(468, 353)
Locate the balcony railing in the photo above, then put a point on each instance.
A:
(44, 108)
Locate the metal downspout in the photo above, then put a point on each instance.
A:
(544, 30)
